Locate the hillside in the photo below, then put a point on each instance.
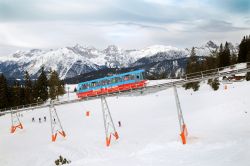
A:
(218, 125)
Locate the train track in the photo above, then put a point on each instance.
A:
(193, 77)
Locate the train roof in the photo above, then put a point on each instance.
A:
(110, 77)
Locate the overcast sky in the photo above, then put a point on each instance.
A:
(26, 24)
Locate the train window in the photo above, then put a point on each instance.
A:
(126, 77)
(108, 81)
(104, 82)
(117, 79)
(97, 83)
(82, 87)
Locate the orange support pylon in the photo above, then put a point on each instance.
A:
(108, 139)
(108, 122)
(183, 127)
(13, 128)
(15, 121)
(56, 126)
(184, 134)
(54, 136)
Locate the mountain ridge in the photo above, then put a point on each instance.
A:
(72, 61)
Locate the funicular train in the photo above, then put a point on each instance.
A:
(111, 84)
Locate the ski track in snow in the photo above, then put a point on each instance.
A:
(218, 125)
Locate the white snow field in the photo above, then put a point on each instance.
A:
(218, 125)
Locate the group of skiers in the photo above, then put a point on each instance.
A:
(39, 119)
(44, 119)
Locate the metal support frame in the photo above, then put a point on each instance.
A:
(183, 128)
(15, 122)
(108, 122)
(56, 126)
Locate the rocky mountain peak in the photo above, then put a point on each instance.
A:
(211, 44)
(111, 49)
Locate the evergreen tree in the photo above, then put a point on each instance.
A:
(220, 56)
(42, 86)
(209, 62)
(18, 95)
(244, 53)
(11, 97)
(233, 59)
(248, 65)
(53, 82)
(28, 94)
(214, 83)
(35, 92)
(16, 89)
(244, 47)
(192, 67)
(192, 62)
(22, 96)
(56, 86)
(3, 92)
(242, 50)
(61, 90)
(226, 55)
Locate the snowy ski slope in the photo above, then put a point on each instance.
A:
(218, 124)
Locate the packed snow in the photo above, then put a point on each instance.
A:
(218, 125)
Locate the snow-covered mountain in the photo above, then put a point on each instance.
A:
(76, 60)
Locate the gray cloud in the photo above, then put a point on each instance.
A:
(94, 11)
(53, 23)
(247, 21)
(141, 25)
(219, 26)
(117, 10)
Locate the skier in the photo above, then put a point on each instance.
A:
(44, 118)
(119, 123)
(39, 120)
(33, 119)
